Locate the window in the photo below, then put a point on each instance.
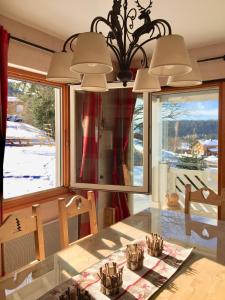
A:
(186, 142)
(32, 154)
(109, 140)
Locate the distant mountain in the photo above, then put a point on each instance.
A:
(202, 129)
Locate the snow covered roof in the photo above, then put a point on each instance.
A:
(184, 146)
(18, 130)
(213, 149)
(211, 158)
(14, 99)
(209, 142)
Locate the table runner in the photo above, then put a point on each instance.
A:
(140, 284)
(136, 284)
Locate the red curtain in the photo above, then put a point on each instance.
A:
(124, 109)
(4, 42)
(90, 144)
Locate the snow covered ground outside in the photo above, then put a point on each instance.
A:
(29, 169)
(32, 168)
(138, 176)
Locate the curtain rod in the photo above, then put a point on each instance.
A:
(31, 44)
(52, 51)
(211, 58)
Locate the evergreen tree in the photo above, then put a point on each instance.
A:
(39, 104)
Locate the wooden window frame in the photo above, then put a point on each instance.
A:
(220, 84)
(26, 200)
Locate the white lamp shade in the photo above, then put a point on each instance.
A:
(145, 82)
(59, 69)
(190, 79)
(94, 83)
(91, 54)
(170, 56)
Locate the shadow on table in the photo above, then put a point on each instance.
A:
(185, 268)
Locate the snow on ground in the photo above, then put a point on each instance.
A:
(24, 131)
(29, 169)
(138, 175)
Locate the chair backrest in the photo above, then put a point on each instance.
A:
(76, 206)
(205, 196)
(13, 227)
(204, 230)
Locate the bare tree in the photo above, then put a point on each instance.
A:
(172, 111)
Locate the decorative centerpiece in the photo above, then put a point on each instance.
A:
(111, 279)
(173, 200)
(135, 257)
(155, 244)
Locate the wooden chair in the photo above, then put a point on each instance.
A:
(76, 206)
(205, 196)
(16, 226)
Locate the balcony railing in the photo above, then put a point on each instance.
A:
(173, 180)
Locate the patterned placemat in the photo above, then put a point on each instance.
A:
(140, 284)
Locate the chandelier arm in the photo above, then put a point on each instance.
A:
(131, 18)
(155, 24)
(140, 46)
(121, 44)
(165, 24)
(134, 47)
(71, 42)
(124, 29)
(115, 51)
(144, 62)
(159, 29)
(97, 20)
(72, 37)
(118, 52)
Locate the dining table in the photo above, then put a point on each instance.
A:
(201, 275)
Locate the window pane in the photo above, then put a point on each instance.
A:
(136, 143)
(188, 144)
(30, 163)
(109, 138)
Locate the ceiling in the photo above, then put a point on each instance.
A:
(201, 22)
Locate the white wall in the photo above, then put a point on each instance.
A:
(29, 57)
(25, 56)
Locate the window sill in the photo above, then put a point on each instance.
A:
(20, 202)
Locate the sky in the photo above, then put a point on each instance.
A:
(199, 110)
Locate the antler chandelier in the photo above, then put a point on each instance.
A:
(90, 54)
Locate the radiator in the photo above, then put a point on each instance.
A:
(21, 251)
